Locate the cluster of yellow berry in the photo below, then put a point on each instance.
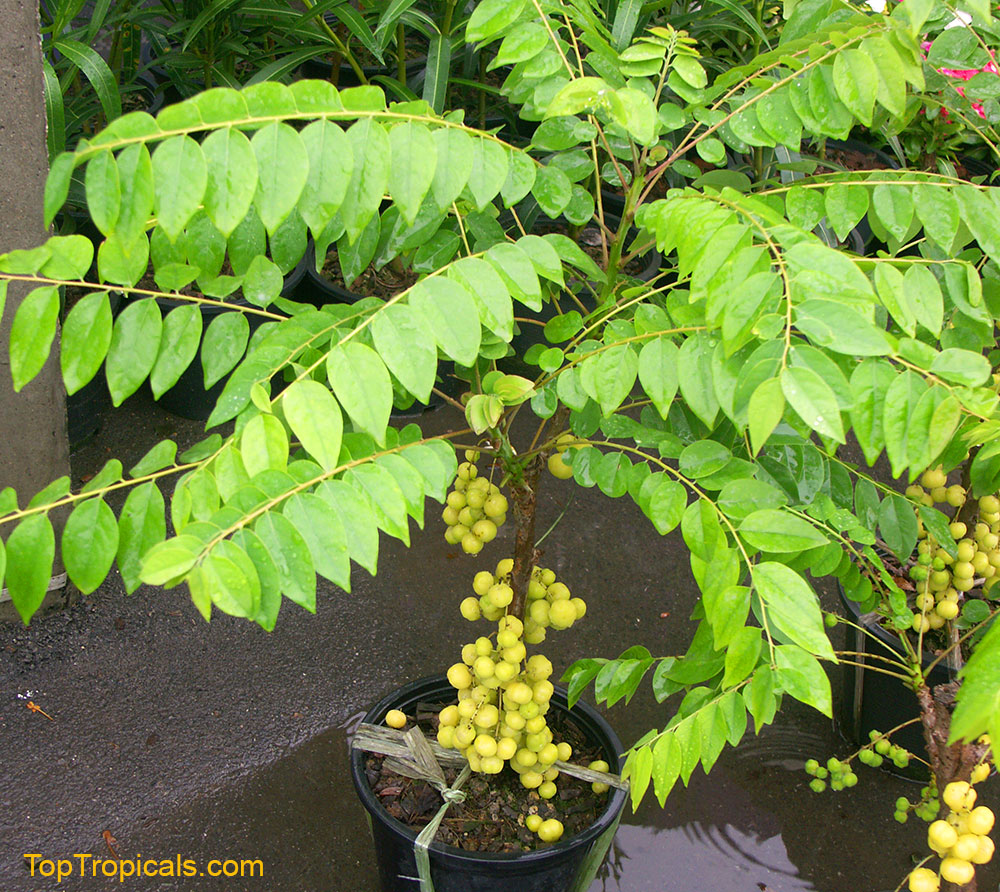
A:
(941, 579)
(961, 840)
(475, 508)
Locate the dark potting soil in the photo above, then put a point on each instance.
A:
(491, 819)
(384, 283)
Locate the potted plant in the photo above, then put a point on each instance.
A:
(716, 395)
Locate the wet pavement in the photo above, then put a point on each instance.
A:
(173, 737)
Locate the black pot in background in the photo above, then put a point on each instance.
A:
(873, 700)
(188, 397)
(553, 868)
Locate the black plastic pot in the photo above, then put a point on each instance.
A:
(188, 397)
(873, 700)
(554, 868)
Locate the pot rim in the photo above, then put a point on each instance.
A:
(615, 804)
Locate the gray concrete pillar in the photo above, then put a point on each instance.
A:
(34, 449)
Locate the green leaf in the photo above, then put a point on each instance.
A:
(170, 560)
(924, 294)
(490, 18)
(314, 417)
(231, 178)
(264, 444)
(110, 474)
(800, 674)
(894, 206)
(141, 525)
(845, 205)
(703, 458)
(962, 367)
(291, 556)
(30, 553)
(742, 654)
(179, 342)
(488, 172)
(450, 312)
(666, 766)
(937, 209)
(831, 324)
(267, 575)
(610, 376)
(323, 531)
(694, 368)
(453, 149)
(122, 261)
(726, 609)
(640, 773)
(32, 333)
(89, 544)
(103, 191)
(898, 408)
(855, 79)
(384, 496)
(552, 190)
(405, 342)
(135, 341)
(135, 173)
(814, 401)
(283, 167)
(223, 346)
(414, 159)
(770, 529)
(361, 383)
(369, 177)
(331, 163)
(897, 521)
(159, 457)
(658, 372)
(766, 407)
(978, 709)
(792, 607)
(359, 521)
(57, 184)
(517, 272)
(86, 336)
(180, 175)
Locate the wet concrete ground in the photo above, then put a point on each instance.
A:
(223, 741)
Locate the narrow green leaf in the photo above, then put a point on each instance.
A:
(223, 346)
(291, 556)
(792, 606)
(135, 342)
(283, 166)
(141, 525)
(331, 163)
(314, 417)
(180, 175)
(89, 544)
(323, 531)
(32, 333)
(413, 155)
(362, 385)
(231, 178)
(30, 554)
(814, 401)
(770, 529)
(264, 444)
(179, 342)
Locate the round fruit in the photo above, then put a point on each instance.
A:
(966, 848)
(985, 853)
(924, 880)
(505, 566)
(558, 592)
(598, 765)
(957, 871)
(469, 608)
(958, 796)
(533, 822)
(956, 496)
(980, 820)
(495, 505)
(947, 609)
(933, 478)
(532, 780)
(562, 614)
(558, 468)
(980, 773)
(565, 751)
(551, 830)
(395, 718)
(538, 667)
(482, 582)
(941, 836)
(459, 676)
(547, 790)
(484, 530)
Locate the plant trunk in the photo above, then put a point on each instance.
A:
(524, 495)
(949, 762)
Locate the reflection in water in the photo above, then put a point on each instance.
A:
(697, 858)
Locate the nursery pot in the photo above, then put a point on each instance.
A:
(874, 700)
(565, 866)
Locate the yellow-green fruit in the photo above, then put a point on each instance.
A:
(483, 667)
(558, 468)
(467, 708)
(981, 820)
(558, 591)
(446, 736)
(451, 537)
(939, 494)
(456, 500)
(914, 491)
(580, 606)
(484, 530)
(562, 614)
(979, 774)
(536, 591)
(495, 505)
(475, 497)
(505, 566)
(514, 654)
(963, 570)
(956, 496)
(504, 671)
(947, 609)
(548, 754)
(957, 871)
(526, 757)
(551, 830)
(485, 745)
(471, 543)
(464, 735)
(920, 623)
(533, 822)
(535, 634)
(965, 550)
(501, 594)
(535, 723)
(551, 774)
(980, 561)
(959, 796)
(488, 716)
(989, 504)
(519, 693)
(941, 836)
(964, 585)
(459, 676)
(448, 715)
(469, 608)
(542, 691)
(395, 718)
(598, 765)
(490, 612)
(482, 582)
(538, 667)
(450, 516)
(515, 720)
(506, 747)
(923, 880)
(933, 477)
(985, 853)
(467, 471)
(924, 601)
(957, 529)
(512, 624)
(492, 765)
(565, 751)
(547, 789)
(475, 763)
(935, 620)
(539, 612)
(966, 848)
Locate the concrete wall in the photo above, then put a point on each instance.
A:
(33, 446)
